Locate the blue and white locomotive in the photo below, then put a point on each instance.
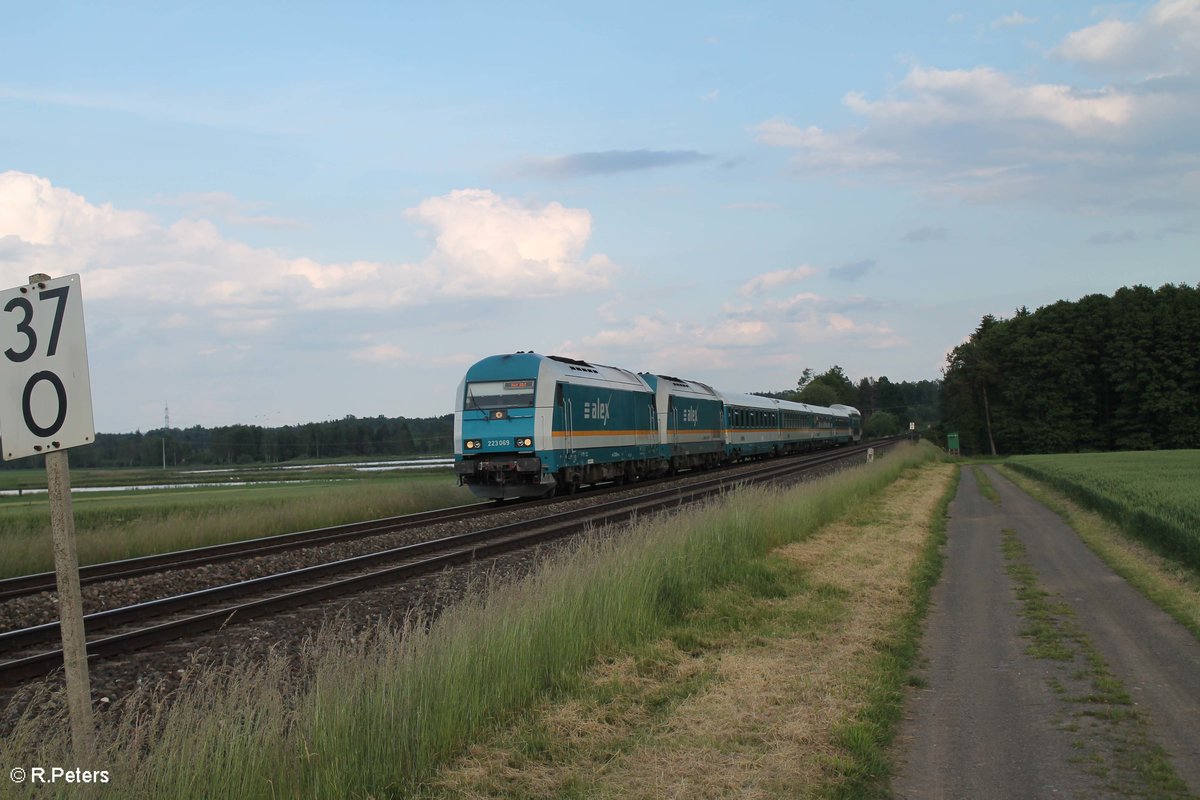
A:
(528, 425)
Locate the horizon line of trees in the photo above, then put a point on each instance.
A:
(247, 444)
(1100, 373)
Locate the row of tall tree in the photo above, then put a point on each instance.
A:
(887, 406)
(1100, 373)
(244, 444)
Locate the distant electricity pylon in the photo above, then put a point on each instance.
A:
(166, 427)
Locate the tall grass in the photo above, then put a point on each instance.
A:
(371, 717)
(1152, 495)
(129, 524)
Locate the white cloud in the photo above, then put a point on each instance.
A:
(984, 135)
(740, 333)
(489, 246)
(771, 280)
(943, 97)
(823, 150)
(761, 334)
(1013, 20)
(225, 207)
(1167, 36)
(484, 246)
(382, 354)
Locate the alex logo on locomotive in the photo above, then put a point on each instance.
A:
(597, 410)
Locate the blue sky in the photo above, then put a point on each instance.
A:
(296, 211)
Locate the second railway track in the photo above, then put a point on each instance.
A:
(143, 625)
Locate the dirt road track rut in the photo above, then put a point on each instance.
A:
(987, 724)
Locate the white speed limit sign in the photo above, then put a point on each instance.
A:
(45, 389)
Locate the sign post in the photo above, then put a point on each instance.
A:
(46, 407)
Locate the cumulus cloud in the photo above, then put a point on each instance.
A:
(1165, 36)
(772, 280)
(610, 161)
(484, 245)
(487, 245)
(762, 333)
(947, 97)
(819, 149)
(986, 136)
(225, 207)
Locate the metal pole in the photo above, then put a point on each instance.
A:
(70, 600)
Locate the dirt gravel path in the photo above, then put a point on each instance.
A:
(993, 720)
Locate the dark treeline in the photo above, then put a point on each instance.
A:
(247, 444)
(887, 407)
(1102, 373)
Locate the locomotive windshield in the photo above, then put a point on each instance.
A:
(499, 394)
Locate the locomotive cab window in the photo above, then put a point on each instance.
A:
(499, 394)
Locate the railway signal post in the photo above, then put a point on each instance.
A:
(46, 408)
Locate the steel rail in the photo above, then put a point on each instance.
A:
(24, 585)
(458, 549)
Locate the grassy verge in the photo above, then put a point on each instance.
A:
(1113, 739)
(1170, 585)
(127, 524)
(784, 680)
(376, 716)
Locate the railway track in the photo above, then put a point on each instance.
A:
(25, 653)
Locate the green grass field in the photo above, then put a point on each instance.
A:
(124, 524)
(1153, 495)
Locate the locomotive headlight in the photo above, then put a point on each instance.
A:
(473, 444)
(526, 442)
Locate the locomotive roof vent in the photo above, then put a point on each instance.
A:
(566, 360)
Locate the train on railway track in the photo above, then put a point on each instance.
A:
(530, 425)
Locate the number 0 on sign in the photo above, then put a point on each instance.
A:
(45, 389)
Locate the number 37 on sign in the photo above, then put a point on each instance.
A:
(45, 389)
